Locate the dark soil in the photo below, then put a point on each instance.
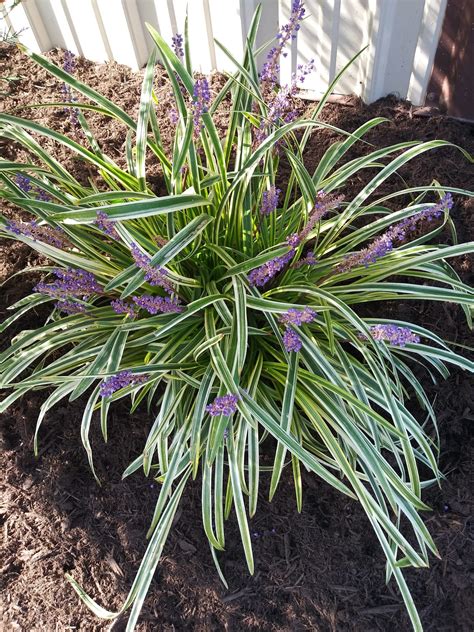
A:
(320, 570)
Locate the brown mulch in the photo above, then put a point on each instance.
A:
(319, 570)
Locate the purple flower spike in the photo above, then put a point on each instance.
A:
(106, 225)
(270, 200)
(201, 100)
(397, 336)
(408, 225)
(70, 282)
(281, 105)
(178, 45)
(46, 234)
(42, 195)
(308, 260)
(141, 259)
(325, 202)
(173, 116)
(385, 243)
(271, 67)
(69, 66)
(23, 182)
(69, 63)
(154, 276)
(225, 405)
(69, 307)
(293, 240)
(378, 248)
(298, 317)
(157, 304)
(119, 381)
(260, 276)
(291, 340)
(122, 307)
(303, 71)
(160, 241)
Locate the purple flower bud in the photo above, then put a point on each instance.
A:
(385, 243)
(23, 182)
(325, 202)
(69, 307)
(48, 235)
(298, 317)
(69, 66)
(287, 32)
(154, 276)
(261, 275)
(122, 307)
(157, 304)
(69, 63)
(178, 45)
(270, 200)
(201, 100)
(160, 241)
(225, 405)
(173, 116)
(70, 282)
(119, 381)
(308, 260)
(42, 195)
(106, 225)
(293, 240)
(291, 340)
(397, 336)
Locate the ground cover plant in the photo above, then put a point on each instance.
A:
(257, 334)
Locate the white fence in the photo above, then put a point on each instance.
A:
(401, 36)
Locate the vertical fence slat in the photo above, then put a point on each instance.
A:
(226, 27)
(137, 28)
(210, 32)
(83, 19)
(147, 13)
(201, 40)
(167, 22)
(353, 35)
(315, 41)
(392, 48)
(289, 62)
(60, 28)
(430, 31)
(26, 19)
(402, 46)
(124, 41)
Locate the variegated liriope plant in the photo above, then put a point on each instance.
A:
(230, 308)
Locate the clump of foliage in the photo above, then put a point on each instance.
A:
(8, 36)
(229, 306)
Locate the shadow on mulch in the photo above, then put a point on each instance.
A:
(320, 570)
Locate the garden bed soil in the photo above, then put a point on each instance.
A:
(320, 570)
